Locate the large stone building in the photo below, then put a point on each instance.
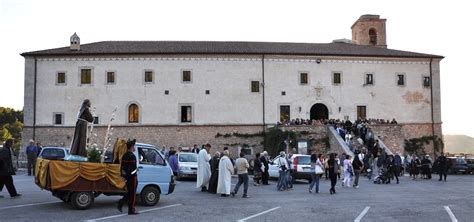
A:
(182, 93)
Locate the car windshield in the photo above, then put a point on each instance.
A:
(53, 153)
(461, 161)
(187, 157)
(304, 160)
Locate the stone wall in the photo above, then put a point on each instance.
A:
(176, 136)
(186, 136)
(394, 135)
(314, 134)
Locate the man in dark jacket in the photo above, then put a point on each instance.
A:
(357, 165)
(442, 167)
(6, 169)
(397, 165)
(128, 170)
(264, 161)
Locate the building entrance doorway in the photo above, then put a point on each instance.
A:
(319, 111)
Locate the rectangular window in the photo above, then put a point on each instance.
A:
(58, 118)
(361, 112)
(255, 86)
(369, 79)
(303, 78)
(400, 79)
(426, 81)
(186, 114)
(96, 120)
(110, 77)
(284, 113)
(208, 92)
(186, 76)
(148, 76)
(61, 78)
(336, 78)
(86, 76)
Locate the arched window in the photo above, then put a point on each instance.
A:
(133, 113)
(373, 37)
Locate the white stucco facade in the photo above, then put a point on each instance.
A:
(228, 77)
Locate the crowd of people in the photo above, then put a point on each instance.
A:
(320, 122)
(214, 173)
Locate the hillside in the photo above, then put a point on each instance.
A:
(458, 144)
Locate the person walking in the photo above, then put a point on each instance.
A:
(129, 173)
(242, 166)
(6, 169)
(442, 167)
(226, 169)
(317, 170)
(397, 165)
(31, 154)
(348, 171)
(257, 170)
(264, 161)
(333, 171)
(357, 165)
(283, 168)
(204, 169)
(173, 161)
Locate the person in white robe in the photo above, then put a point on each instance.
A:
(226, 169)
(204, 168)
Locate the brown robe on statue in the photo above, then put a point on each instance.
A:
(78, 146)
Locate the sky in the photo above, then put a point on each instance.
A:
(432, 27)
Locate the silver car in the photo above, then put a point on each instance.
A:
(187, 165)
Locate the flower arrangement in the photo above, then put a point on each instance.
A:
(93, 153)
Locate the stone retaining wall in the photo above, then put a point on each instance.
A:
(186, 136)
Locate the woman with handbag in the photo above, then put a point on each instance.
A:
(317, 168)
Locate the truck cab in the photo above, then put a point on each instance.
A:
(154, 175)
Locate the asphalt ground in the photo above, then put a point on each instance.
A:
(422, 200)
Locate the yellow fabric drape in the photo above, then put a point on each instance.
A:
(120, 148)
(41, 170)
(63, 173)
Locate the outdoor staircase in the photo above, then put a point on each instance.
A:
(383, 146)
(340, 143)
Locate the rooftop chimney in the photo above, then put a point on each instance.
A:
(75, 43)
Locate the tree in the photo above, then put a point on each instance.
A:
(11, 124)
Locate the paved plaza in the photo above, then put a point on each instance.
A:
(424, 200)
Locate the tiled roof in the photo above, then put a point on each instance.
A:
(208, 47)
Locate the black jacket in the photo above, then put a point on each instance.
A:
(129, 165)
(264, 162)
(357, 164)
(6, 162)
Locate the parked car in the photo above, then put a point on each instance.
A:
(187, 165)
(54, 153)
(299, 166)
(470, 166)
(457, 165)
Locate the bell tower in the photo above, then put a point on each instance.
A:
(75, 42)
(370, 30)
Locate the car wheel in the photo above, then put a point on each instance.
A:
(82, 200)
(150, 196)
